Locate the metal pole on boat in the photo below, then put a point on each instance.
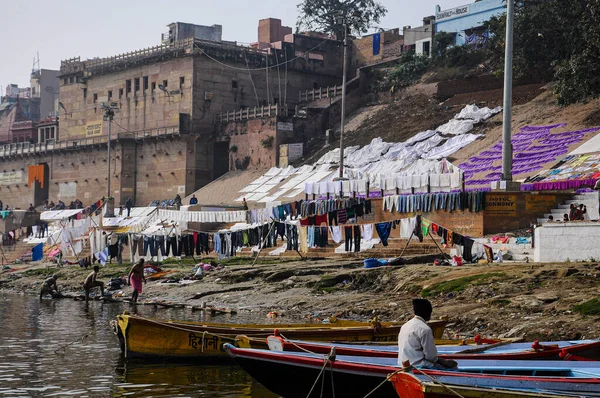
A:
(508, 77)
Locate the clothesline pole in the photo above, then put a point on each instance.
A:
(436, 244)
(407, 243)
(260, 248)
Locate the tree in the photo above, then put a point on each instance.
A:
(554, 40)
(324, 15)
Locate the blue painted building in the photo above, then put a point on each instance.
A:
(466, 22)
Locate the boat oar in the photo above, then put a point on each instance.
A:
(483, 348)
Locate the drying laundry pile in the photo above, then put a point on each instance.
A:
(573, 171)
(417, 163)
(533, 146)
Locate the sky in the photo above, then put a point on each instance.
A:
(64, 29)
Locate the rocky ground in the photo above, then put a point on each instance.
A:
(536, 301)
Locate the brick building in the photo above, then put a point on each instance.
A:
(377, 47)
(164, 138)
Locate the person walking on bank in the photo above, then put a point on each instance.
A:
(177, 202)
(415, 340)
(128, 206)
(92, 282)
(135, 278)
(193, 200)
(49, 287)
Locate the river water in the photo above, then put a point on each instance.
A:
(57, 348)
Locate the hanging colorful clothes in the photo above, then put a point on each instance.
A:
(383, 231)
(35, 173)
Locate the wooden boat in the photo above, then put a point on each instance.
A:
(506, 349)
(292, 375)
(145, 337)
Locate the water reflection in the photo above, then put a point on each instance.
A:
(66, 348)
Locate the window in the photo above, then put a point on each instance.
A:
(145, 83)
(109, 95)
(234, 84)
(65, 81)
(181, 81)
(71, 79)
(120, 93)
(84, 93)
(95, 98)
(127, 86)
(153, 86)
(165, 83)
(136, 83)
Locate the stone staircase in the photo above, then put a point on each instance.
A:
(590, 200)
(13, 252)
(394, 249)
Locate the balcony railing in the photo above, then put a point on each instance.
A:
(25, 148)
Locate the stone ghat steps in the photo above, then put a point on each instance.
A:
(394, 249)
(590, 200)
(14, 252)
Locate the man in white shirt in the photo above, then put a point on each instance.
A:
(415, 340)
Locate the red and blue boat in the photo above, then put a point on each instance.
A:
(304, 374)
(577, 350)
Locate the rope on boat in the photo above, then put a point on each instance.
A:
(326, 360)
(297, 346)
(407, 369)
(439, 382)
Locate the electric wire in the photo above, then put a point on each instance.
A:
(264, 68)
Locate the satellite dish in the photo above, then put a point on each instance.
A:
(161, 87)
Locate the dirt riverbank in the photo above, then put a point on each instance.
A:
(537, 301)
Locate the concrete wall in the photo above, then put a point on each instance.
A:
(144, 170)
(572, 241)
(270, 30)
(247, 137)
(181, 30)
(49, 88)
(449, 88)
(460, 19)
(508, 211)
(412, 35)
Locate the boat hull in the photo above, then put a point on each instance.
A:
(296, 380)
(408, 386)
(148, 338)
(498, 350)
(525, 377)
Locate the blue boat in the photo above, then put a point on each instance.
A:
(584, 350)
(291, 374)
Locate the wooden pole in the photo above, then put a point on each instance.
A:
(407, 243)
(440, 249)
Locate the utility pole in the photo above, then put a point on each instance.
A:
(345, 23)
(109, 113)
(508, 76)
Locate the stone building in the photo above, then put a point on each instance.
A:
(164, 136)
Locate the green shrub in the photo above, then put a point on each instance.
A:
(411, 68)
